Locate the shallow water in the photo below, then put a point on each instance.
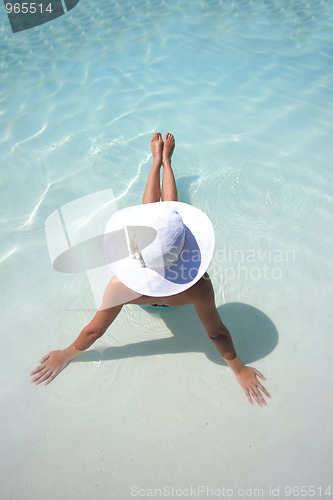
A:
(246, 88)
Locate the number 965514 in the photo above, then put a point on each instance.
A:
(28, 8)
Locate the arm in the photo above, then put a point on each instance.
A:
(220, 335)
(55, 361)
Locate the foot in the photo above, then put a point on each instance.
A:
(156, 144)
(169, 146)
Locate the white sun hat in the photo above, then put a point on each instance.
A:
(159, 249)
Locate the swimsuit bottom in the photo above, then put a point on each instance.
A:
(156, 306)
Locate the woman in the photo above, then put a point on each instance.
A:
(166, 247)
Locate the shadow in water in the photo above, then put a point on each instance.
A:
(253, 333)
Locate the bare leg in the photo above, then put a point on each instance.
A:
(153, 191)
(169, 190)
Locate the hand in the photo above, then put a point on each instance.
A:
(50, 366)
(247, 377)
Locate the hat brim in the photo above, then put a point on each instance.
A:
(185, 272)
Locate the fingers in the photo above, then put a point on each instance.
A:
(41, 366)
(257, 372)
(45, 358)
(36, 370)
(260, 398)
(262, 388)
(253, 389)
(51, 365)
(50, 378)
(253, 393)
(248, 396)
(46, 376)
(43, 374)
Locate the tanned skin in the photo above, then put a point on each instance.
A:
(201, 295)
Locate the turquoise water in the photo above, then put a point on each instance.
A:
(247, 90)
